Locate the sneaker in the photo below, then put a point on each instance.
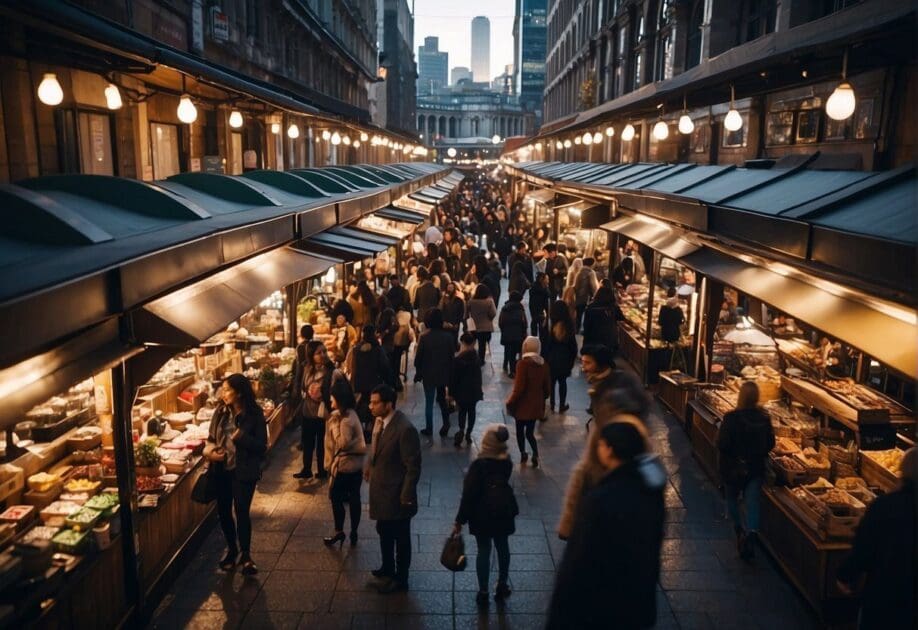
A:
(524, 457)
(303, 474)
(503, 592)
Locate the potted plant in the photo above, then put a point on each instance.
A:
(146, 458)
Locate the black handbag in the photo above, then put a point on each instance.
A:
(453, 555)
(204, 490)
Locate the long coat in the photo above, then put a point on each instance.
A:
(472, 508)
(432, 357)
(531, 386)
(465, 379)
(560, 350)
(394, 466)
(608, 575)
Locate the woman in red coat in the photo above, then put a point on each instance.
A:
(531, 386)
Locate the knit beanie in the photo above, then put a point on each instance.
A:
(532, 345)
(494, 442)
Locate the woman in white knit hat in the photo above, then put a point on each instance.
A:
(489, 506)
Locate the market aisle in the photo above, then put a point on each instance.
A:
(303, 584)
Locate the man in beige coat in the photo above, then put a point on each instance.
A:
(393, 468)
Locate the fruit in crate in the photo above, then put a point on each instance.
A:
(81, 485)
(42, 482)
(891, 459)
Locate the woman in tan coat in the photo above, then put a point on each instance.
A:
(616, 405)
(531, 386)
(344, 452)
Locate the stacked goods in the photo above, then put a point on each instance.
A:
(792, 420)
(832, 511)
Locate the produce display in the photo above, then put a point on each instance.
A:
(890, 459)
(42, 482)
(82, 485)
(859, 396)
(83, 519)
(71, 541)
(18, 515)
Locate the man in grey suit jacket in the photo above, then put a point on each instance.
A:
(393, 468)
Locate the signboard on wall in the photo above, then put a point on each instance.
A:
(212, 164)
(219, 25)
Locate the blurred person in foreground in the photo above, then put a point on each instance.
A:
(609, 571)
(881, 567)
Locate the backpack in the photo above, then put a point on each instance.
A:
(498, 500)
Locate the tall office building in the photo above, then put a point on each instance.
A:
(459, 73)
(481, 49)
(433, 66)
(529, 32)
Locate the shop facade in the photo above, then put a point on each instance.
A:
(105, 406)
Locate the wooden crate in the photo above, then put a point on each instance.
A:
(877, 475)
(787, 476)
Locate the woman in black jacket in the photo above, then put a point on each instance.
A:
(236, 446)
(744, 441)
(465, 386)
(560, 351)
(599, 320)
(519, 276)
(489, 506)
(513, 326)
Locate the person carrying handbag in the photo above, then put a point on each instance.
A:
(345, 449)
(489, 507)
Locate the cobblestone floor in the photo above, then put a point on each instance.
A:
(302, 584)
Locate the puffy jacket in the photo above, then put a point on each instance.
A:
(344, 443)
(513, 323)
(368, 367)
(531, 386)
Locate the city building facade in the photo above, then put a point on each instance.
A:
(481, 49)
(503, 83)
(459, 73)
(529, 36)
(396, 91)
(433, 66)
(629, 64)
(145, 90)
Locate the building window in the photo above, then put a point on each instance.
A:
(252, 18)
(693, 35)
(828, 7)
(735, 139)
(637, 65)
(164, 140)
(663, 57)
(96, 154)
(758, 18)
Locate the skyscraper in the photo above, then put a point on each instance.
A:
(433, 66)
(481, 49)
(529, 33)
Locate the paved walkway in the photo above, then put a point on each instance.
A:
(302, 584)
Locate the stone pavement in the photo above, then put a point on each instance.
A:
(302, 584)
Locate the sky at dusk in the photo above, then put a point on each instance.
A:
(451, 21)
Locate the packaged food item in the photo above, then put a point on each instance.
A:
(83, 519)
(41, 482)
(57, 512)
(40, 532)
(71, 541)
(18, 515)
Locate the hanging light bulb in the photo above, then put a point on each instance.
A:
(235, 119)
(567, 143)
(326, 134)
(356, 144)
(186, 111)
(293, 132)
(841, 102)
(336, 138)
(113, 97)
(597, 138)
(495, 139)
(686, 124)
(587, 138)
(661, 130)
(451, 152)
(559, 145)
(610, 131)
(49, 90)
(363, 136)
(538, 146)
(346, 139)
(628, 133)
(275, 128)
(733, 121)
(578, 140)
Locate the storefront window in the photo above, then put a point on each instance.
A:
(164, 140)
(675, 304)
(96, 144)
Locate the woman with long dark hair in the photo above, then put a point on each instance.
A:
(314, 409)
(482, 311)
(344, 452)
(560, 352)
(236, 446)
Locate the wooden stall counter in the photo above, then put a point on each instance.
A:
(675, 391)
(703, 435)
(810, 563)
